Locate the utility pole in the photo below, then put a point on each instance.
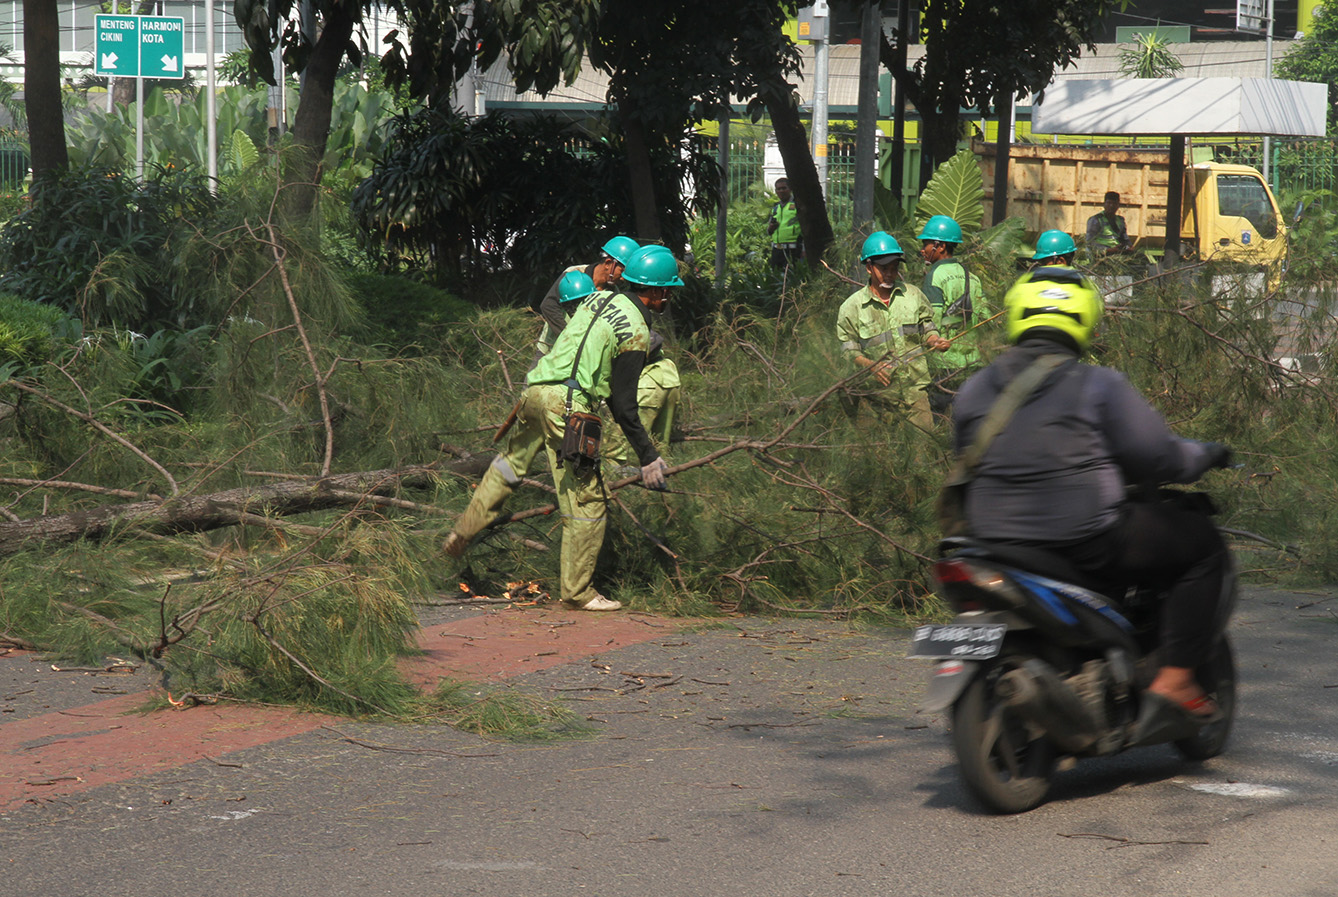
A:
(821, 19)
(866, 126)
(722, 213)
(897, 162)
(211, 98)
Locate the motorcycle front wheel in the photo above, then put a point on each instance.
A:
(1006, 762)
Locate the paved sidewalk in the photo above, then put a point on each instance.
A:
(58, 739)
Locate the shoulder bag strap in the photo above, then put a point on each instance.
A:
(1011, 399)
(572, 383)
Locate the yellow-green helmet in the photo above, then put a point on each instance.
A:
(1054, 297)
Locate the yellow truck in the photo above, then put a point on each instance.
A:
(1228, 211)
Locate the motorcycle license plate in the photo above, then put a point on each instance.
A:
(963, 641)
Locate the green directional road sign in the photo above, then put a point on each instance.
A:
(140, 46)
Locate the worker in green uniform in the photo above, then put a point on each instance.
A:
(958, 299)
(657, 402)
(787, 239)
(605, 273)
(1107, 234)
(886, 326)
(597, 357)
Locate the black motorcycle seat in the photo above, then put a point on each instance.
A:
(1034, 560)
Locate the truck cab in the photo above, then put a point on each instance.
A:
(1230, 214)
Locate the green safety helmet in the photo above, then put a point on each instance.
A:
(1052, 244)
(620, 249)
(574, 286)
(941, 228)
(652, 266)
(878, 244)
(1056, 297)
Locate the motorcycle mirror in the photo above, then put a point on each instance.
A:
(1296, 216)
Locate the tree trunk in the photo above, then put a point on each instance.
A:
(311, 124)
(641, 177)
(792, 139)
(205, 512)
(41, 87)
(123, 89)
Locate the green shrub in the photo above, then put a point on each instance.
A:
(402, 313)
(31, 331)
(102, 247)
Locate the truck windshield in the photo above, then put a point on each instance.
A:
(1245, 196)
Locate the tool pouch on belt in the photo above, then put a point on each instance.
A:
(580, 440)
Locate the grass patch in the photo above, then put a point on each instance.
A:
(506, 715)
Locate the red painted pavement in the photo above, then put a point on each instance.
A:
(62, 753)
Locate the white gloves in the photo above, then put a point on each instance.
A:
(652, 475)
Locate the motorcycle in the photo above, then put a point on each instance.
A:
(1041, 668)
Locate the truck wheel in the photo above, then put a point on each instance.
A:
(1006, 762)
(1218, 678)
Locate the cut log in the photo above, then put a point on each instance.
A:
(189, 514)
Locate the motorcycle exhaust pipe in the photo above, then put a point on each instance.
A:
(1035, 691)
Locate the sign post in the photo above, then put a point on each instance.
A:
(139, 47)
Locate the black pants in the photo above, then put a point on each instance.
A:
(782, 257)
(1168, 545)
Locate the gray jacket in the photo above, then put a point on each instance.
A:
(1057, 473)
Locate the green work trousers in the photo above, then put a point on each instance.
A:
(581, 498)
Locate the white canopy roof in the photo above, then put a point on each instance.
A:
(1182, 106)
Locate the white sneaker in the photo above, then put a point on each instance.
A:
(455, 545)
(599, 602)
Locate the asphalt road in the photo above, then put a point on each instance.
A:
(760, 757)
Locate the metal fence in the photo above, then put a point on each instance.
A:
(748, 177)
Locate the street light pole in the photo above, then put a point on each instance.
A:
(820, 62)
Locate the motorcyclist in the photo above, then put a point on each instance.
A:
(1056, 476)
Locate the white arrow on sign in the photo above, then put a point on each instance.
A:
(109, 60)
(169, 63)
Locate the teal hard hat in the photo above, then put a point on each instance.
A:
(574, 286)
(652, 266)
(620, 249)
(1052, 244)
(941, 228)
(878, 244)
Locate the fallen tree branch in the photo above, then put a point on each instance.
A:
(188, 514)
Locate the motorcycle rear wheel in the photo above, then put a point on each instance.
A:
(1218, 678)
(1006, 762)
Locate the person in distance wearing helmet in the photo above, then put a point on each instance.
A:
(598, 356)
(883, 324)
(1055, 477)
(1054, 247)
(605, 273)
(958, 299)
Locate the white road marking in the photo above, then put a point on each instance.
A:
(1240, 789)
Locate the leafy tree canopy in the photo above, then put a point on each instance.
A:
(978, 52)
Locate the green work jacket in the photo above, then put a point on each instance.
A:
(786, 217)
(867, 326)
(955, 310)
(616, 325)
